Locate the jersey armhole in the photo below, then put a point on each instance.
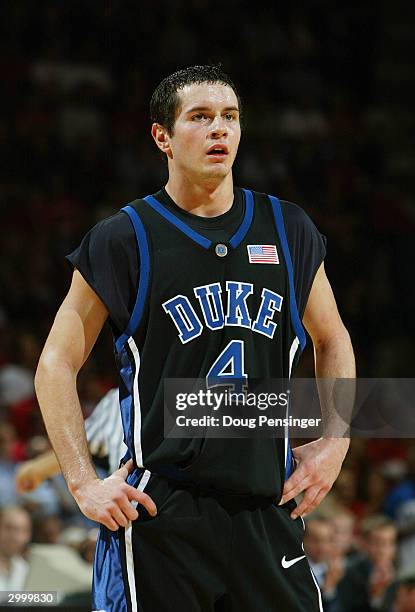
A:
(143, 277)
(280, 226)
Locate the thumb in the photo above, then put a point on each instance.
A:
(126, 469)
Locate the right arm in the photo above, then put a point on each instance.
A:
(71, 339)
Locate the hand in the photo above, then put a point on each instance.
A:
(335, 572)
(28, 477)
(110, 501)
(382, 576)
(318, 465)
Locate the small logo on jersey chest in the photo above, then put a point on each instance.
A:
(221, 250)
(262, 253)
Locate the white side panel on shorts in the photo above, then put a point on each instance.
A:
(320, 601)
(129, 547)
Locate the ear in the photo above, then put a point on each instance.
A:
(161, 138)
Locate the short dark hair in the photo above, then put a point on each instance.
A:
(374, 522)
(165, 99)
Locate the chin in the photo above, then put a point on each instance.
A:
(218, 171)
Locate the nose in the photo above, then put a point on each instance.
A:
(218, 127)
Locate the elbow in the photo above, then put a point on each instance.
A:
(41, 373)
(44, 368)
(338, 337)
(52, 364)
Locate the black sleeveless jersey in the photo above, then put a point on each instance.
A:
(199, 305)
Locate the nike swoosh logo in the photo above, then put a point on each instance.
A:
(286, 564)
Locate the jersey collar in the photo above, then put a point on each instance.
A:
(204, 242)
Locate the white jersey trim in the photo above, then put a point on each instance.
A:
(320, 601)
(129, 557)
(137, 407)
(293, 351)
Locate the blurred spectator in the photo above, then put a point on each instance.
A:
(360, 584)
(80, 119)
(47, 529)
(51, 498)
(15, 533)
(326, 561)
(369, 583)
(376, 490)
(73, 537)
(400, 506)
(16, 384)
(87, 547)
(345, 492)
(8, 495)
(27, 420)
(67, 77)
(16, 377)
(45, 499)
(344, 545)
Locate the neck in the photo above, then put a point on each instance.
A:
(208, 199)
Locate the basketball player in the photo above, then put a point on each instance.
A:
(200, 279)
(104, 435)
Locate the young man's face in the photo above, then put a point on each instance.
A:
(381, 545)
(206, 132)
(318, 540)
(15, 532)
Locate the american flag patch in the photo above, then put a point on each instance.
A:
(263, 253)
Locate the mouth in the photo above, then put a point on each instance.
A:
(218, 150)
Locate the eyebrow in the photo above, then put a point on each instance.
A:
(205, 108)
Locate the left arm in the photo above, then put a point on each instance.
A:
(319, 462)
(30, 474)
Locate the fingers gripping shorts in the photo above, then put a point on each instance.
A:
(205, 551)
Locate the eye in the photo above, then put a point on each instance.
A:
(230, 117)
(198, 117)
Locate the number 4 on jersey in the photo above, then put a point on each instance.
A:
(229, 368)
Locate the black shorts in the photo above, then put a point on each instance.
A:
(205, 552)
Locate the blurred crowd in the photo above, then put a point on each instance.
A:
(75, 130)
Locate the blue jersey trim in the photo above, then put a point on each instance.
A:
(289, 467)
(144, 278)
(295, 317)
(246, 223)
(109, 590)
(127, 407)
(108, 587)
(181, 225)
